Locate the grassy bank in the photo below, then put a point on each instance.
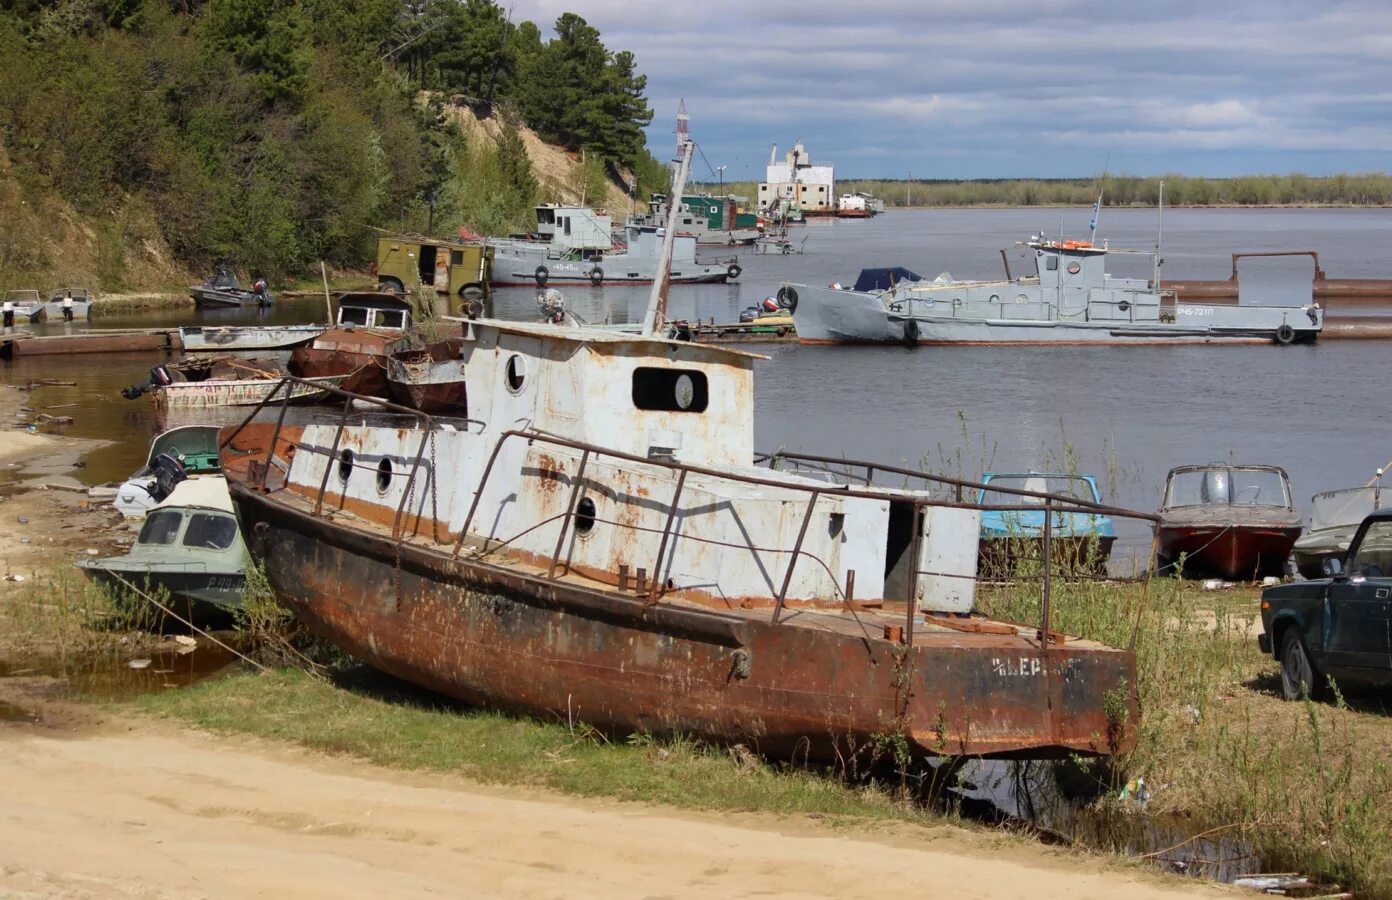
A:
(1302, 784)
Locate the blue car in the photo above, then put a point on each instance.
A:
(1082, 542)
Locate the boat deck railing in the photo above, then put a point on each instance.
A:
(652, 589)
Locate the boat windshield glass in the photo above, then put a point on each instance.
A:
(210, 531)
(1067, 485)
(1236, 486)
(1335, 508)
(161, 527)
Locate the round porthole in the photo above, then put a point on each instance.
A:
(1021, 298)
(995, 298)
(345, 466)
(1124, 306)
(684, 391)
(1074, 267)
(384, 476)
(585, 515)
(516, 373)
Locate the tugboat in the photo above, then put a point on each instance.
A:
(1234, 522)
(597, 540)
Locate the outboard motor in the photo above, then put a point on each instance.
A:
(8, 314)
(67, 308)
(748, 314)
(168, 471)
(262, 292)
(159, 377)
(770, 305)
(551, 305)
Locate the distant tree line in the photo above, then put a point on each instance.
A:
(1372, 189)
(274, 133)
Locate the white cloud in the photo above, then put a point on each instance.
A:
(1005, 87)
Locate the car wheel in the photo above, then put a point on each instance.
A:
(1299, 679)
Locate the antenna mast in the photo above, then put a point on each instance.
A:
(657, 300)
(1159, 233)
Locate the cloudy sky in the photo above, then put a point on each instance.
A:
(1001, 88)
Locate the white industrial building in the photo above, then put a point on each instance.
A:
(796, 180)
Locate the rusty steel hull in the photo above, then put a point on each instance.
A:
(506, 637)
(366, 372)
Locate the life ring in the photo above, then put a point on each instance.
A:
(910, 333)
(734, 271)
(541, 274)
(596, 276)
(1285, 334)
(787, 298)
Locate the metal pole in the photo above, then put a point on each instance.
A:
(657, 300)
(570, 513)
(473, 507)
(658, 580)
(797, 550)
(275, 435)
(1048, 572)
(915, 547)
(333, 452)
(411, 481)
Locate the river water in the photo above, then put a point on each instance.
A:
(1124, 414)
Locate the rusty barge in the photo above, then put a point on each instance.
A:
(594, 542)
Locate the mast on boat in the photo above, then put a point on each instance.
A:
(656, 314)
(1159, 233)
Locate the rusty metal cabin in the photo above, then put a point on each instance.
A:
(593, 537)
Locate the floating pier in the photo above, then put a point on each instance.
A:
(144, 340)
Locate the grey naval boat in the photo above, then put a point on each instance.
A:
(635, 264)
(1070, 300)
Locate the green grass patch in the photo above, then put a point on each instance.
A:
(404, 729)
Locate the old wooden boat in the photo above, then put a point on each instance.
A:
(1227, 521)
(430, 379)
(246, 338)
(1334, 519)
(189, 547)
(200, 382)
(370, 326)
(1082, 541)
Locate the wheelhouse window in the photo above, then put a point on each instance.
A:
(391, 318)
(352, 315)
(210, 531)
(670, 390)
(161, 527)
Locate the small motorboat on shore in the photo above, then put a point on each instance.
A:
(175, 455)
(1227, 521)
(189, 547)
(1334, 520)
(1082, 541)
(202, 383)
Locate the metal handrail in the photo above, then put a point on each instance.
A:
(1053, 503)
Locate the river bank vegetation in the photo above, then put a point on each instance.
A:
(1298, 786)
(272, 134)
(1370, 189)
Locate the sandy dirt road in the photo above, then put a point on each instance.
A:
(113, 810)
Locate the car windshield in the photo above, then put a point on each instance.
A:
(1067, 485)
(1374, 558)
(1336, 508)
(1224, 486)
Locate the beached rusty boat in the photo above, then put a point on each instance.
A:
(619, 560)
(371, 325)
(592, 541)
(430, 379)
